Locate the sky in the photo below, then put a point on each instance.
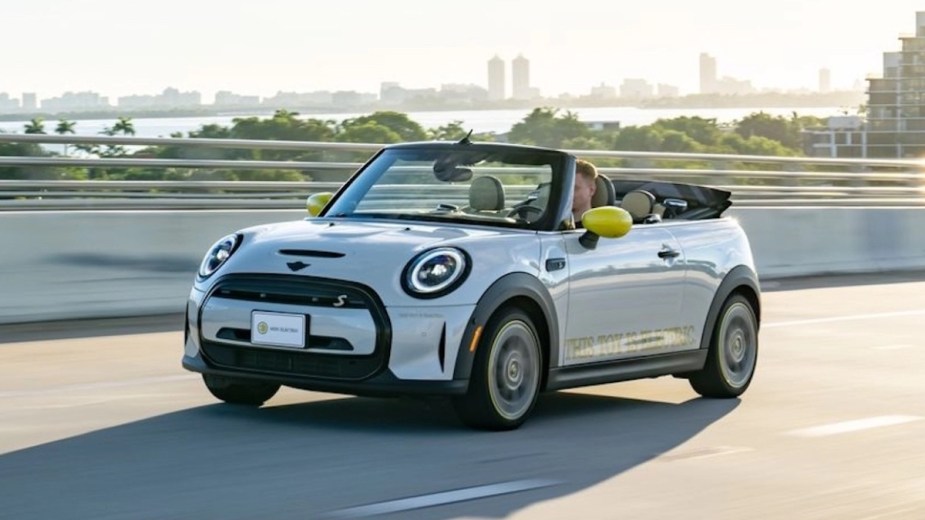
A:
(122, 47)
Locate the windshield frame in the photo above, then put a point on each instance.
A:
(359, 184)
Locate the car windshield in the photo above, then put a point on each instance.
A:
(491, 186)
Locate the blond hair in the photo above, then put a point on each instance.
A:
(586, 170)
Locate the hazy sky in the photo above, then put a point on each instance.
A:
(119, 47)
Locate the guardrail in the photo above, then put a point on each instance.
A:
(753, 180)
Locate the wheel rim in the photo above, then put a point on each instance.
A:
(514, 368)
(739, 346)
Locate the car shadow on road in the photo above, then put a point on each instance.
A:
(314, 459)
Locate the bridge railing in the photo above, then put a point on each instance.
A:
(753, 180)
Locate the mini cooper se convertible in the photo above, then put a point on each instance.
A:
(457, 269)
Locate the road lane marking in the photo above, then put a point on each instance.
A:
(843, 318)
(442, 498)
(854, 426)
(67, 389)
(703, 453)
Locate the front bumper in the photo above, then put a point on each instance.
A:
(360, 348)
(383, 384)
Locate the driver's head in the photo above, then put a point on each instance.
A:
(585, 185)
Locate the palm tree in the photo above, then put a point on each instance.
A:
(124, 126)
(35, 126)
(65, 127)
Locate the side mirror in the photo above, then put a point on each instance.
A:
(605, 221)
(316, 202)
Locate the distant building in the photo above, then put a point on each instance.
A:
(603, 91)
(30, 102)
(76, 102)
(520, 78)
(825, 80)
(496, 83)
(636, 88)
(707, 74)
(8, 104)
(843, 136)
(896, 101)
(169, 99)
(664, 90)
(224, 98)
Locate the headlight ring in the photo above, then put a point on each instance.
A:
(436, 272)
(218, 254)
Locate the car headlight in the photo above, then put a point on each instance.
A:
(435, 273)
(218, 254)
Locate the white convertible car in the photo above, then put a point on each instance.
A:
(456, 269)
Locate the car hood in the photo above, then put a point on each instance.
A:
(375, 253)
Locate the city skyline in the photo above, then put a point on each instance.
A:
(496, 88)
(210, 46)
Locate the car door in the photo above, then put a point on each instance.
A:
(624, 296)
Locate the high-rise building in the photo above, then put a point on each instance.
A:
(707, 74)
(496, 86)
(825, 80)
(30, 102)
(896, 102)
(520, 77)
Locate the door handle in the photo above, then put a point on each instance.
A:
(669, 253)
(554, 264)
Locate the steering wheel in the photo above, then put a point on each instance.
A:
(526, 213)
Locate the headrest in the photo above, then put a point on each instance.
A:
(638, 203)
(604, 194)
(486, 194)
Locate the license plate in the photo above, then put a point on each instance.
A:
(278, 329)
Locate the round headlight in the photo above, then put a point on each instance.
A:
(218, 254)
(435, 273)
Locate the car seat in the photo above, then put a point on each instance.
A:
(604, 193)
(486, 194)
(640, 204)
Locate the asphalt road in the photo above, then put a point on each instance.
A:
(98, 421)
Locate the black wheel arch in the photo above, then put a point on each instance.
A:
(525, 292)
(742, 280)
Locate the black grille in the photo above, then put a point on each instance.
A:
(306, 291)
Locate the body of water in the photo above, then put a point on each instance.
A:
(497, 121)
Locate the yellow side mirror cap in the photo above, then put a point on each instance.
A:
(316, 202)
(607, 221)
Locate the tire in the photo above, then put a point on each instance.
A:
(238, 391)
(506, 376)
(733, 352)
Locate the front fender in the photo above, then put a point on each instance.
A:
(506, 288)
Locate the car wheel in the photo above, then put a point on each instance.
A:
(506, 375)
(237, 391)
(733, 352)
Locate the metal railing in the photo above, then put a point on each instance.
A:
(753, 180)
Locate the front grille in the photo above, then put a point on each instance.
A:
(303, 291)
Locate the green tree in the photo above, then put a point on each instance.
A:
(123, 126)
(545, 127)
(400, 123)
(369, 132)
(65, 127)
(35, 126)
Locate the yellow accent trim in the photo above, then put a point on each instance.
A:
(475, 338)
(607, 221)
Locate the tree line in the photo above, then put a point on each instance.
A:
(756, 134)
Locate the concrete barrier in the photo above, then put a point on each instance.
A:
(813, 241)
(88, 264)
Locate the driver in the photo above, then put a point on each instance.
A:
(585, 185)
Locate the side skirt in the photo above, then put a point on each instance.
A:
(626, 369)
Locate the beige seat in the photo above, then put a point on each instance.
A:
(604, 193)
(640, 204)
(486, 194)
